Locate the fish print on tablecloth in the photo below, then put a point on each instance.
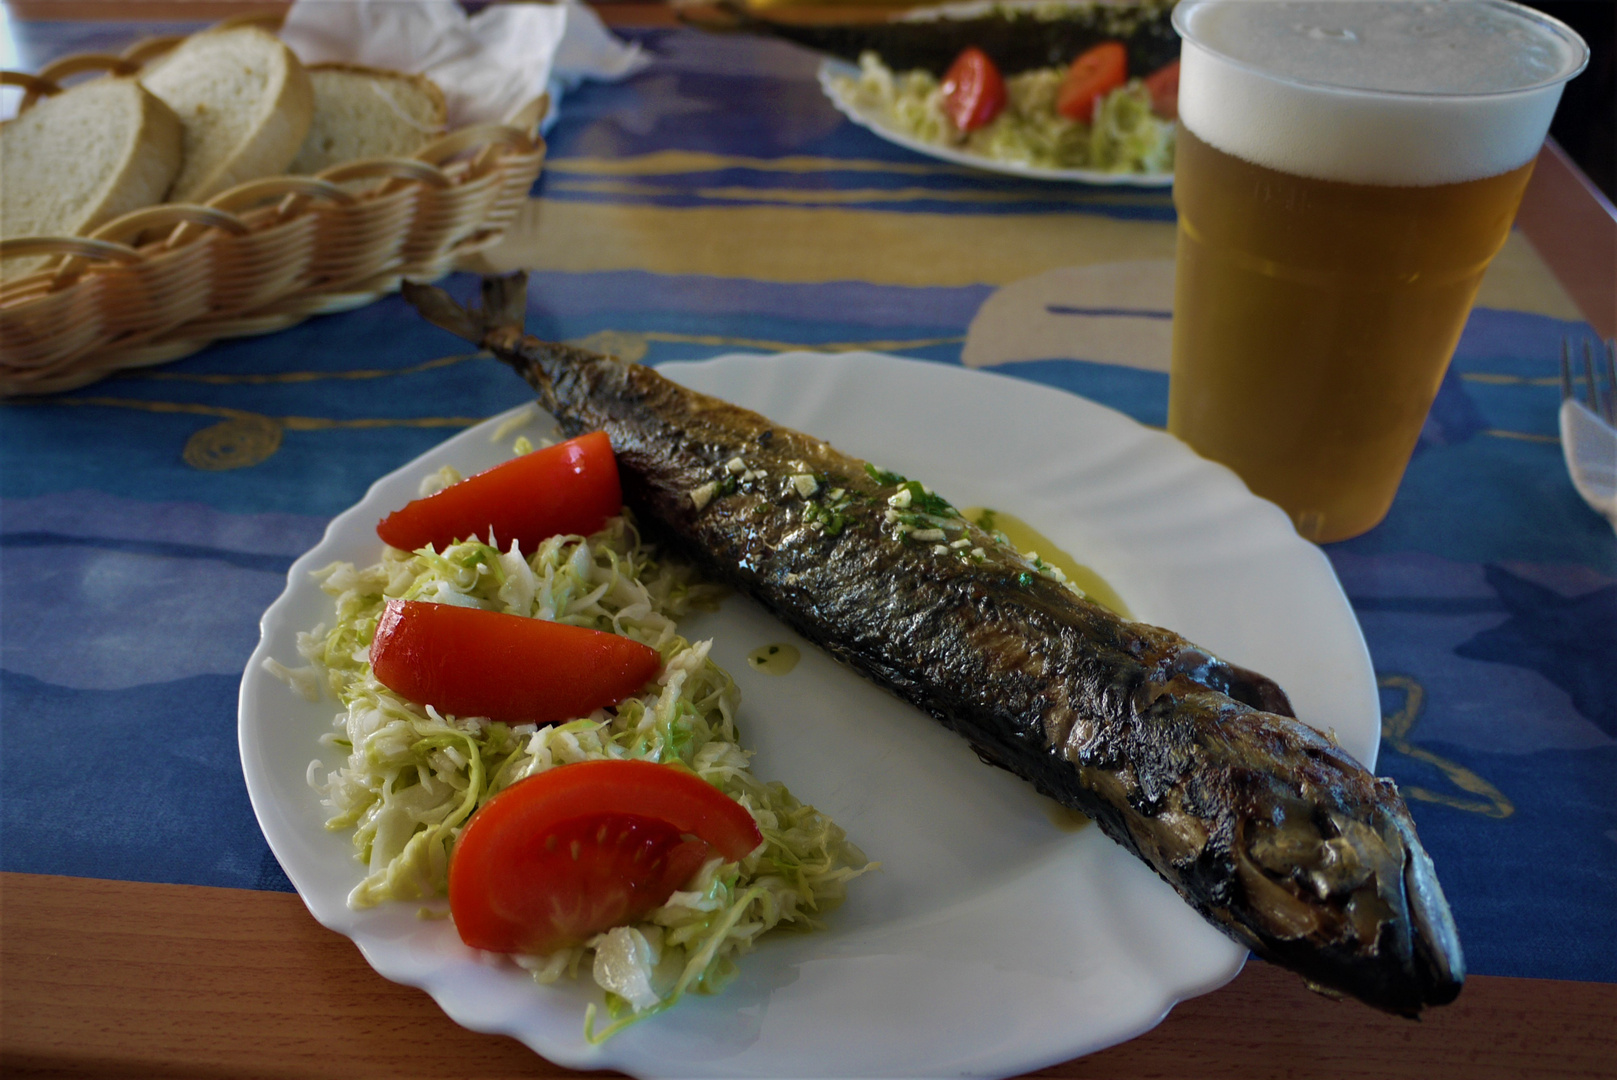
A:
(1570, 640)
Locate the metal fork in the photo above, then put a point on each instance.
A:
(1589, 427)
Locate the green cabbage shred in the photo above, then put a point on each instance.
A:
(412, 777)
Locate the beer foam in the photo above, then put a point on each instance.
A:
(1374, 91)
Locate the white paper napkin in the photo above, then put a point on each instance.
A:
(488, 65)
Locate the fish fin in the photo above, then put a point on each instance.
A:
(1243, 684)
(504, 305)
(1259, 691)
(1326, 991)
(505, 301)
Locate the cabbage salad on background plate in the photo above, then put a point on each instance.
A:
(1125, 144)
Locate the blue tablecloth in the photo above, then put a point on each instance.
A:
(717, 203)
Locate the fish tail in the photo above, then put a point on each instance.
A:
(495, 326)
(504, 307)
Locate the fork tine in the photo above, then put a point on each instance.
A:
(1566, 369)
(1589, 378)
(1611, 380)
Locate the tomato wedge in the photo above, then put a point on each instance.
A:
(1163, 85)
(571, 487)
(470, 662)
(561, 856)
(973, 90)
(1096, 73)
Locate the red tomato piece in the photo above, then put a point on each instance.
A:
(571, 487)
(564, 885)
(1163, 85)
(470, 662)
(973, 90)
(1096, 73)
(561, 856)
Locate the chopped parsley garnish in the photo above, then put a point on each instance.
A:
(922, 499)
(830, 519)
(927, 502)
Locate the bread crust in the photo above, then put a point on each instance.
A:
(440, 104)
(275, 127)
(334, 124)
(144, 163)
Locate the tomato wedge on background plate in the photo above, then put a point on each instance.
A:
(569, 488)
(471, 662)
(1163, 85)
(559, 857)
(1096, 73)
(973, 90)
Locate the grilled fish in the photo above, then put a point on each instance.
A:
(1016, 38)
(1197, 766)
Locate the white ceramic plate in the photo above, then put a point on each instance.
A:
(875, 121)
(991, 942)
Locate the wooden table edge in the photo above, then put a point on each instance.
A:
(1573, 227)
(119, 978)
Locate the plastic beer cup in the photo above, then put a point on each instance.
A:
(1345, 171)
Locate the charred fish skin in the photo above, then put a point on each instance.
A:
(1262, 824)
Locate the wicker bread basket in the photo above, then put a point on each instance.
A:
(162, 282)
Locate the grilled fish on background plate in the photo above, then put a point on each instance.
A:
(1195, 765)
(1017, 37)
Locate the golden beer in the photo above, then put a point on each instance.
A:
(1327, 265)
(1313, 321)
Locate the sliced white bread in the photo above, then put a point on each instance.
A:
(82, 157)
(245, 101)
(362, 112)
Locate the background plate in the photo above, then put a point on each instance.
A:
(991, 941)
(876, 123)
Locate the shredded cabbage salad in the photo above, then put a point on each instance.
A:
(1126, 137)
(412, 777)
